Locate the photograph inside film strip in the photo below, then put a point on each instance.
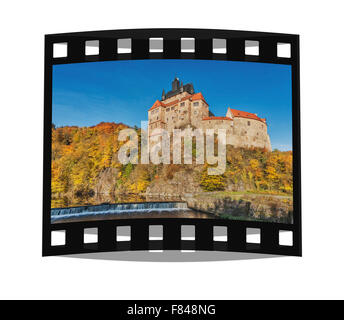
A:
(178, 139)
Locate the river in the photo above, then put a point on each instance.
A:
(110, 211)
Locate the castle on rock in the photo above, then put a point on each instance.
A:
(181, 108)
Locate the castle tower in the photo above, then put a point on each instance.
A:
(248, 130)
(175, 84)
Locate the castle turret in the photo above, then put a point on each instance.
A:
(177, 88)
(175, 84)
(192, 90)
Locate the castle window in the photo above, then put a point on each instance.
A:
(168, 109)
(195, 104)
(182, 104)
(248, 123)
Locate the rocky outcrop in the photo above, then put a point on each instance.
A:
(177, 185)
(106, 181)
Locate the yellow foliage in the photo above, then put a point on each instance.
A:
(79, 155)
(259, 170)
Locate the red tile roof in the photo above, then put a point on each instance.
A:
(186, 97)
(198, 96)
(193, 97)
(170, 103)
(244, 114)
(217, 118)
(156, 104)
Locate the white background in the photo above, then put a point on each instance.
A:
(25, 274)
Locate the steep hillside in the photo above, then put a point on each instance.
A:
(85, 168)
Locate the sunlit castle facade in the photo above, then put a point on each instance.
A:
(181, 108)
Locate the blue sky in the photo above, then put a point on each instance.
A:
(85, 94)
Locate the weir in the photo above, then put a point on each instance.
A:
(121, 208)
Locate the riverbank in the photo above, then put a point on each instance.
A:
(244, 206)
(208, 205)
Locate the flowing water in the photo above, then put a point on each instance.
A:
(125, 211)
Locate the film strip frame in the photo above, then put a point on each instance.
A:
(203, 40)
